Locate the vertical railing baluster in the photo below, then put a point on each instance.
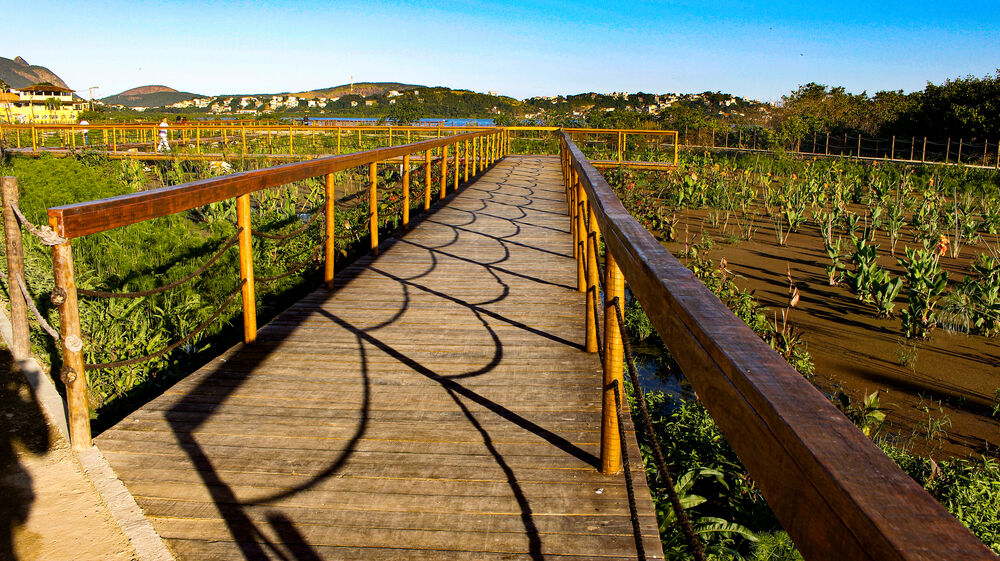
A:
(427, 179)
(373, 205)
(592, 246)
(444, 172)
(331, 249)
(581, 232)
(457, 175)
(466, 151)
(244, 223)
(614, 292)
(406, 191)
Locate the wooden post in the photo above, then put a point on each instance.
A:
(34, 140)
(476, 148)
(614, 290)
(291, 137)
(998, 155)
(114, 140)
(331, 249)
(373, 205)
(427, 180)
(947, 153)
(827, 143)
(986, 146)
(592, 246)
(571, 201)
(243, 137)
(959, 160)
(859, 145)
(444, 172)
(457, 164)
(338, 140)
(913, 145)
(923, 152)
(243, 222)
(73, 374)
(581, 235)
(892, 151)
(20, 345)
(406, 191)
(467, 160)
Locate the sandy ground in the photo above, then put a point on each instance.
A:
(50, 511)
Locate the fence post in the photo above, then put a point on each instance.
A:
(243, 222)
(913, 142)
(20, 345)
(444, 171)
(614, 291)
(859, 145)
(947, 153)
(331, 249)
(406, 191)
(591, 247)
(827, 143)
(73, 373)
(466, 143)
(457, 169)
(427, 180)
(959, 160)
(581, 235)
(475, 156)
(373, 205)
(892, 151)
(923, 152)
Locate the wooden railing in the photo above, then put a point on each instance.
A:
(836, 494)
(476, 150)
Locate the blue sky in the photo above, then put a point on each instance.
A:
(760, 50)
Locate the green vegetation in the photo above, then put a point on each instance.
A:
(157, 252)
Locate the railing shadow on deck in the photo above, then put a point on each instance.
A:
(254, 544)
(191, 412)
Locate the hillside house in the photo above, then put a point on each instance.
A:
(41, 103)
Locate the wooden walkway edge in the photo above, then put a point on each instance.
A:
(437, 404)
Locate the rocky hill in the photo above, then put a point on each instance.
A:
(18, 73)
(149, 96)
(361, 88)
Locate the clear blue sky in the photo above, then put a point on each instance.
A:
(756, 49)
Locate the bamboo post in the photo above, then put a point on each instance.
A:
(959, 160)
(592, 246)
(947, 153)
(892, 151)
(923, 152)
(373, 205)
(331, 249)
(467, 160)
(827, 143)
(614, 291)
(457, 163)
(73, 373)
(986, 146)
(581, 233)
(913, 144)
(444, 172)
(406, 191)
(20, 345)
(859, 145)
(427, 180)
(243, 222)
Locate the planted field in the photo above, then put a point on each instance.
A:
(874, 278)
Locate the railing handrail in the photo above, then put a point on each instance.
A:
(836, 494)
(90, 217)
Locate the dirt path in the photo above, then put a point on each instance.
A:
(50, 511)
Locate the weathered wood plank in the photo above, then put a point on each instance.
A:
(436, 404)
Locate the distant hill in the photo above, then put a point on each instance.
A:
(18, 73)
(149, 96)
(361, 88)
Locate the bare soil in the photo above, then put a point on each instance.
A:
(49, 511)
(939, 402)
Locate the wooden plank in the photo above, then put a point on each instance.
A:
(435, 404)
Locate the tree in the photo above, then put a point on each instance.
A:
(403, 112)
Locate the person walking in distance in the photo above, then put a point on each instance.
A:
(84, 123)
(163, 146)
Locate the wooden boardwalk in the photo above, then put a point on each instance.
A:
(435, 405)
